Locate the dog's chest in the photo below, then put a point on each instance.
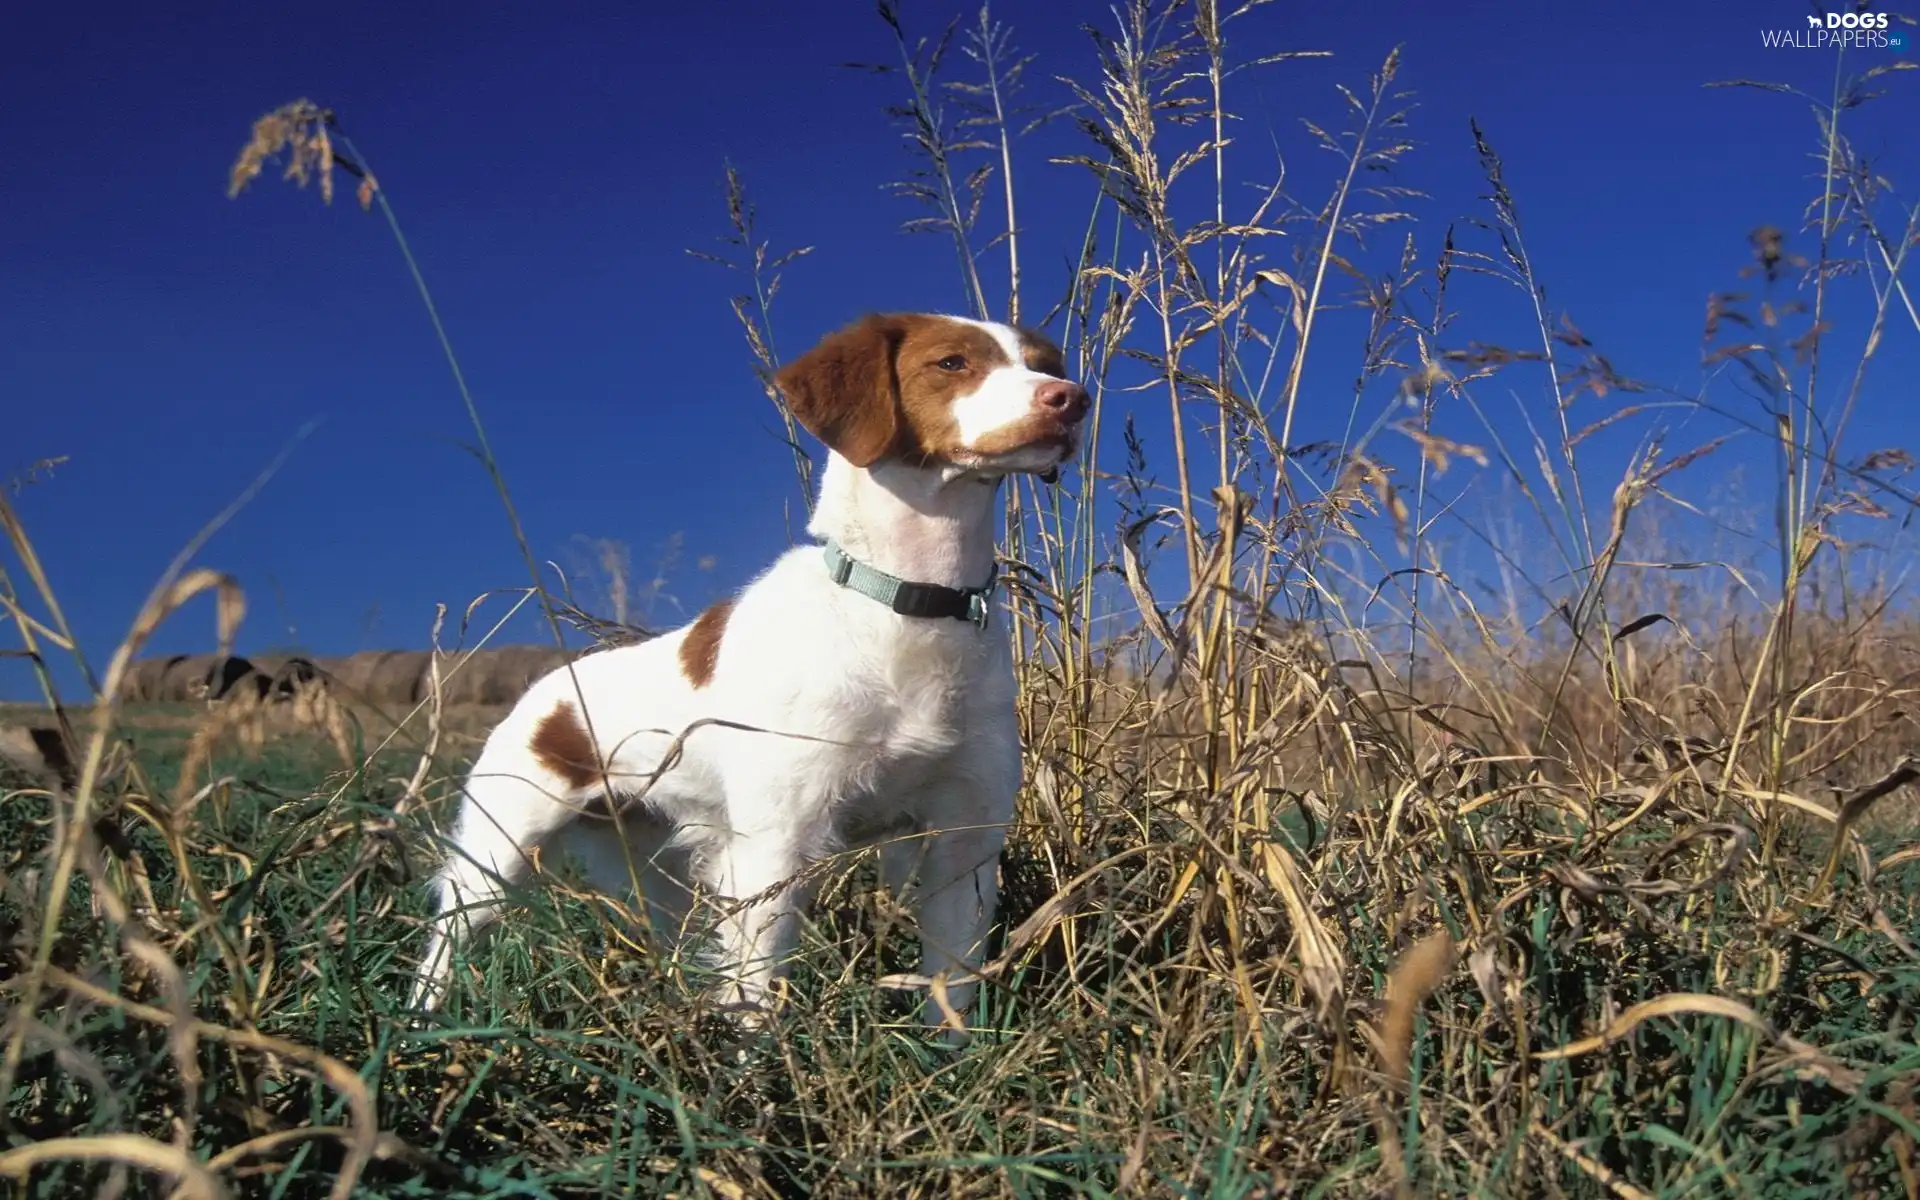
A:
(917, 696)
(919, 726)
(918, 707)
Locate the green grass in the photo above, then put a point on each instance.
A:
(571, 1065)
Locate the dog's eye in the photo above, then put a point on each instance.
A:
(953, 362)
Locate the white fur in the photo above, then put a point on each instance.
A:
(1004, 398)
(864, 726)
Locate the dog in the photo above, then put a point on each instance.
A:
(859, 691)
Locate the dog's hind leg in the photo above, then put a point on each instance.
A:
(637, 849)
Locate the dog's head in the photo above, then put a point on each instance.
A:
(938, 391)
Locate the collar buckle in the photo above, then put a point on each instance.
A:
(838, 564)
(980, 608)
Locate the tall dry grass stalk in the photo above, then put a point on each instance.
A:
(754, 311)
(1336, 872)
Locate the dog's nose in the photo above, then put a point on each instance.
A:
(1066, 400)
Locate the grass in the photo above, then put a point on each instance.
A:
(1332, 876)
(1120, 1058)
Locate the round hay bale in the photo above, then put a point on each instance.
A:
(290, 667)
(331, 669)
(383, 676)
(182, 672)
(142, 682)
(355, 674)
(398, 677)
(500, 676)
(476, 678)
(225, 674)
(269, 664)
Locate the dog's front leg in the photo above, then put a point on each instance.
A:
(955, 895)
(755, 875)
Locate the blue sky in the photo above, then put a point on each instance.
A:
(551, 165)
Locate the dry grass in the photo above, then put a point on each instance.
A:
(1335, 874)
(264, 704)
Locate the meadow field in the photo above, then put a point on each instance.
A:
(1363, 851)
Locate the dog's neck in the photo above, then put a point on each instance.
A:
(919, 524)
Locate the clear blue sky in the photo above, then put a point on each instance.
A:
(551, 165)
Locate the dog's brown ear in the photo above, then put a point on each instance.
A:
(843, 389)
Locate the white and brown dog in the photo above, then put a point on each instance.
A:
(859, 691)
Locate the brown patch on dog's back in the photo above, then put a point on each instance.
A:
(561, 745)
(700, 649)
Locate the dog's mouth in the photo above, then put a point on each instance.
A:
(1068, 446)
(1044, 452)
